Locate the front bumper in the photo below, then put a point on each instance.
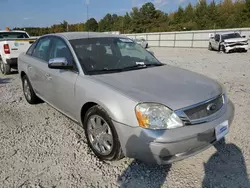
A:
(236, 48)
(168, 146)
(12, 62)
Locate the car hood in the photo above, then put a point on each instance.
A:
(236, 40)
(174, 87)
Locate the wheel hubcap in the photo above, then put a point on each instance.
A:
(26, 89)
(100, 135)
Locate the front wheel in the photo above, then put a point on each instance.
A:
(222, 49)
(101, 134)
(4, 68)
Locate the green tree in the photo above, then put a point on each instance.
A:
(201, 15)
(91, 25)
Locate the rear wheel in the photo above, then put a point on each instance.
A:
(4, 68)
(101, 134)
(210, 47)
(28, 91)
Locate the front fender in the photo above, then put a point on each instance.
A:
(119, 107)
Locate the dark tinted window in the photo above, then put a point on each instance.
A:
(9, 35)
(42, 49)
(230, 36)
(217, 37)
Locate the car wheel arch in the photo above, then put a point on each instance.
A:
(85, 108)
(90, 104)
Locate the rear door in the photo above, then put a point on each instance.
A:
(63, 81)
(38, 68)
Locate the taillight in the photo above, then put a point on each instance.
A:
(6, 49)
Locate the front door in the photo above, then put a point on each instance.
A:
(63, 81)
(216, 42)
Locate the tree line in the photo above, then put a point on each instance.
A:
(203, 15)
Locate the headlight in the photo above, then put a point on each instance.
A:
(156, 116)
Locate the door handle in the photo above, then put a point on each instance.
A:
(30, 68)
(48, 76)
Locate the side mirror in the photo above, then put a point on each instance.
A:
(244, 36)
(151, 52)
(59, 63)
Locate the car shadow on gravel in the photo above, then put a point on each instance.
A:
(226, 168)
(143, 174)
(4, 80)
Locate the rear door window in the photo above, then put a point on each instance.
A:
(31, 49)
(42, 49)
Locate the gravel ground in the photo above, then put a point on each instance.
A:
(39, 147)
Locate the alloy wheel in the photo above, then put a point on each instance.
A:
(100, 135)
(26, 89)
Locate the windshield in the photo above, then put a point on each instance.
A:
(230, 36)
(106, 55)
(13, 35)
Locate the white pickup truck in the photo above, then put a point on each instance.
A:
(12, 44)
(228, 42)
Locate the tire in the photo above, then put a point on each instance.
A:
(222, 48)
(28, 91)
(210, 47)
(4, 68)
(115, 151)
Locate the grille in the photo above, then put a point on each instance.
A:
(205, 110)
(236, 44)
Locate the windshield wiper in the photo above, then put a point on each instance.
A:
(135, 67)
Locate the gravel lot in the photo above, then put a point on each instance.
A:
(39, 147)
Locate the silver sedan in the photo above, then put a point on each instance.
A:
(127, 101)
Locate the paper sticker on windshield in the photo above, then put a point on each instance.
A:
(140, 63)
(126, 40)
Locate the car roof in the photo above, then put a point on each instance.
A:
(82, 35)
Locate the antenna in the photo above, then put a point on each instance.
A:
(87, 6)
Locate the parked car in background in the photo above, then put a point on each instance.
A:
(228, 42)
(128, 102)
(12, 44)
(142, 42)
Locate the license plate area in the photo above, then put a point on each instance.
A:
(221, 130)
